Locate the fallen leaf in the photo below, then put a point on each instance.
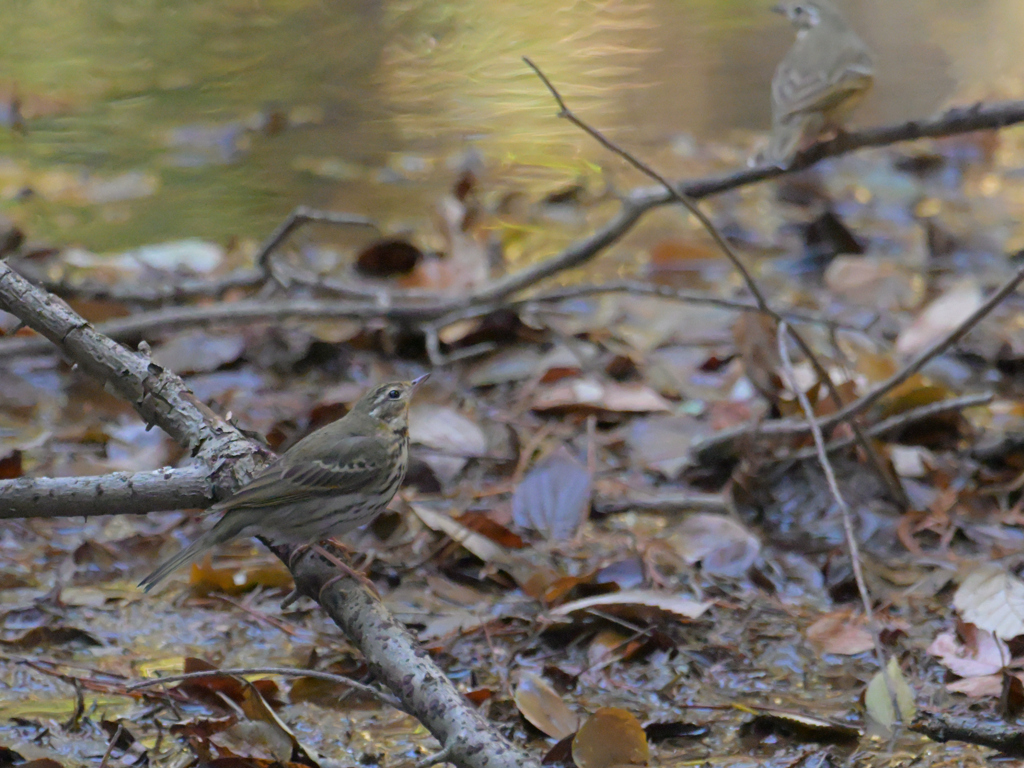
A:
(991, 598)
(983, 654)
(590, 394)
(840, 633)
(10, 465)
(879, 703)
(662, 443)
(477, 543)
(454, 437)
(541, 705)
(805, 727)
(47, 637)
(755, 336)
(388, 257)
(554, 497)
(677, 605)
(940, 317)
(610, 737)
(719, 543)
(199, 352)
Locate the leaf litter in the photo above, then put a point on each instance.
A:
(536, 602)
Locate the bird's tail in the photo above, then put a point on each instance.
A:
(787, 137)
(208, 540)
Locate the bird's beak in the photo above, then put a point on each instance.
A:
(779, 8)
(419, 380)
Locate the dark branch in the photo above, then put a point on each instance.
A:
(724, 440)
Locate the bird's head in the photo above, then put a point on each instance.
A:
(389, 402)
(806, 14)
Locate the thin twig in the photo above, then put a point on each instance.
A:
(113, 741)
(381, 696)
(844, 508)
(297, 218)
(790, 427)
(645, 169)
(895, 423)
(434, 316)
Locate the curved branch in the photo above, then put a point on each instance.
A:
(160, 397)
(249, 311)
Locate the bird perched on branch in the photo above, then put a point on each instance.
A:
(330, 482)
(822, 77)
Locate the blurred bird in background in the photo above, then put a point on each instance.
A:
(822, 77)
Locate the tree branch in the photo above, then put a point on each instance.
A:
(397, 660)
(249, 311)
(723, 442)
(121, 493)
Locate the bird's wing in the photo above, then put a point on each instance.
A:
(354, 461)
(839, 69)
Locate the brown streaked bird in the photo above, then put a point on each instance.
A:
(332, 481)
(822, 77)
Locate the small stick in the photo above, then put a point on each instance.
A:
(795, 427)
(113, 741)
(381, 696)
(844, 508)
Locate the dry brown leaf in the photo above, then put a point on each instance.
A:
(940, 317)
(590, 394)
(992, 599)
(487, 550)
(675, 604)
(755, 337)
(610, 737)
(840, 633)
(541, 705)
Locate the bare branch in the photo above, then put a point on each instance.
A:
(119, 493)
(900, 421)
(381, 696)
(722, 442)
(250, 311)
(396, 660)
(844, 509)
(299, 217)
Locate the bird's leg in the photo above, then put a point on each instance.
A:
(297, 553)
(346, 569)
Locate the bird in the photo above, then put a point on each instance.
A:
(332, 481)
(819, 81)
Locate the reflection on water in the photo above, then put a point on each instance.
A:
(150, 120)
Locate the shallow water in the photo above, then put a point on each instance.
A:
(153, 121)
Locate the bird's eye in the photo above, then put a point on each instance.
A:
(394, 394)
